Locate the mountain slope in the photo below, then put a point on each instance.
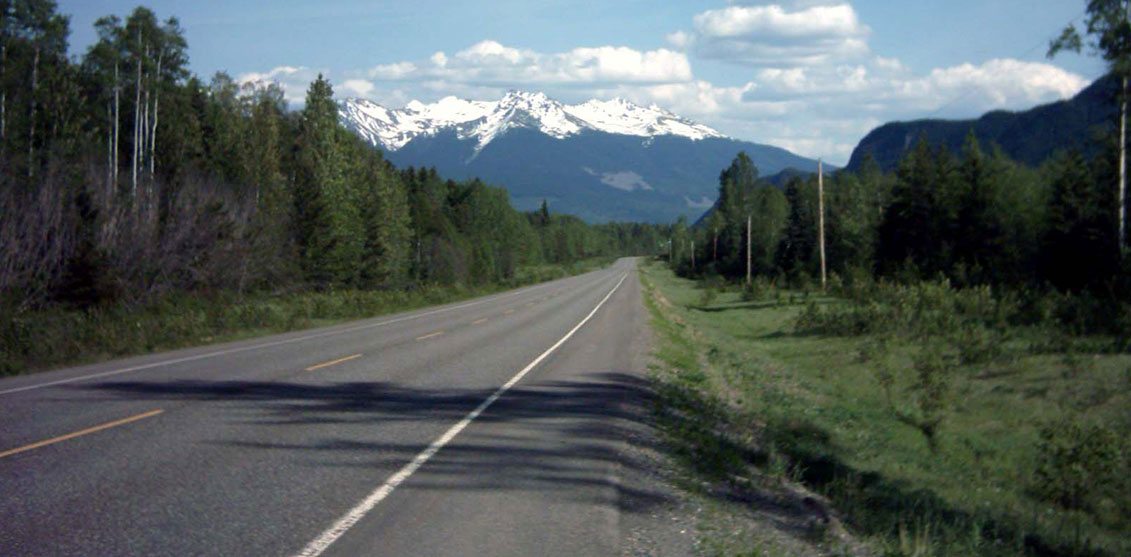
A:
(1030, 136)
(600, 160)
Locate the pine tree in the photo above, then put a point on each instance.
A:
(796, 255)
(735, 204)
(331, 232)
(1079, 247)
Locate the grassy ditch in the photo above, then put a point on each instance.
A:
(932, 425)
(44, 339)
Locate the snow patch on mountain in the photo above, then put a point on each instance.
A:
(483, 121)
(625, 180)
(703, 203)
(623, 117)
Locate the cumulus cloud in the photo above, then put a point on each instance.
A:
(400, 70)
(494, 64)
(773, 35)
(806, 80)
(356, 87)
(293, 80)
(995, 83)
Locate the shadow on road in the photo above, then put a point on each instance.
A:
(578, 437)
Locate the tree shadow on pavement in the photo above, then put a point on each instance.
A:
(579, 438)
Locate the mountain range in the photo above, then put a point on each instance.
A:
(1029, 136)
(600, 160)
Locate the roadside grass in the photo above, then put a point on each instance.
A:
(39, 340)
(746, 394)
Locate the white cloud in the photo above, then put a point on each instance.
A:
(679, 40)
(995, 83)
(294, 81)
(494, 64)
(356, 88)
(807, 79)
(400, 70)
(772, 35)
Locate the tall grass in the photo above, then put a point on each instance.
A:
(939, 421)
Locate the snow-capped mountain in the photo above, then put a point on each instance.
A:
(485, 121)
(599, 160)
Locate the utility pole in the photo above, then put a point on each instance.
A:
(748, 273)
(821, 221)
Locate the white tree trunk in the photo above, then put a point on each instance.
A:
(145, 130)
(749, 268)
(1122, 166)
(31, 118)
(821, 221)
(109, 145)
(117, 122)
(3, 91)
(153, 133)
(137, 121)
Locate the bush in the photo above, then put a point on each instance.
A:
(759, 289)
(1079, 467)
(978, 344)
(932, 391)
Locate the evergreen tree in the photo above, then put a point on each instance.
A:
(797, 254)
(734, 206)
(1079, 247)
(331, 232)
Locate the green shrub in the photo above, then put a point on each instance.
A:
(977, 344)
(1083, 468)
(931, 392)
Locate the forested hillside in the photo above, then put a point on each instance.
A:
(124, 180)
(1028, 136)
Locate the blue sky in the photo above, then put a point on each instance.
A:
(809, 75)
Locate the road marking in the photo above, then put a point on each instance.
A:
(528, 304)
(508, 312)
(323, 541)
(86, 431)
(267, 344)
(333, 362)
(479, 321)
(429, 335)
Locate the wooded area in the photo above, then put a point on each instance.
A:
(125, 178)
(971, 219)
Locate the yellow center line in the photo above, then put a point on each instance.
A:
(430, 335)
(86, 431)
(333, 362)
(479, 321)
(508, 312)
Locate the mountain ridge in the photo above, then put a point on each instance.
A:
(392, 129)
(602, 160)
(1027, 136)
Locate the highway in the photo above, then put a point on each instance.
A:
(494, 426)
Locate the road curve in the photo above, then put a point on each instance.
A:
(493, 426)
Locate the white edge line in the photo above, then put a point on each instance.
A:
(347, 521)
(258, 346)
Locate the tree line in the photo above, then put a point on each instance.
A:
(972, 218)
(124, 177)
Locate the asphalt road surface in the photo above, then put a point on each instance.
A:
(496, 426)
